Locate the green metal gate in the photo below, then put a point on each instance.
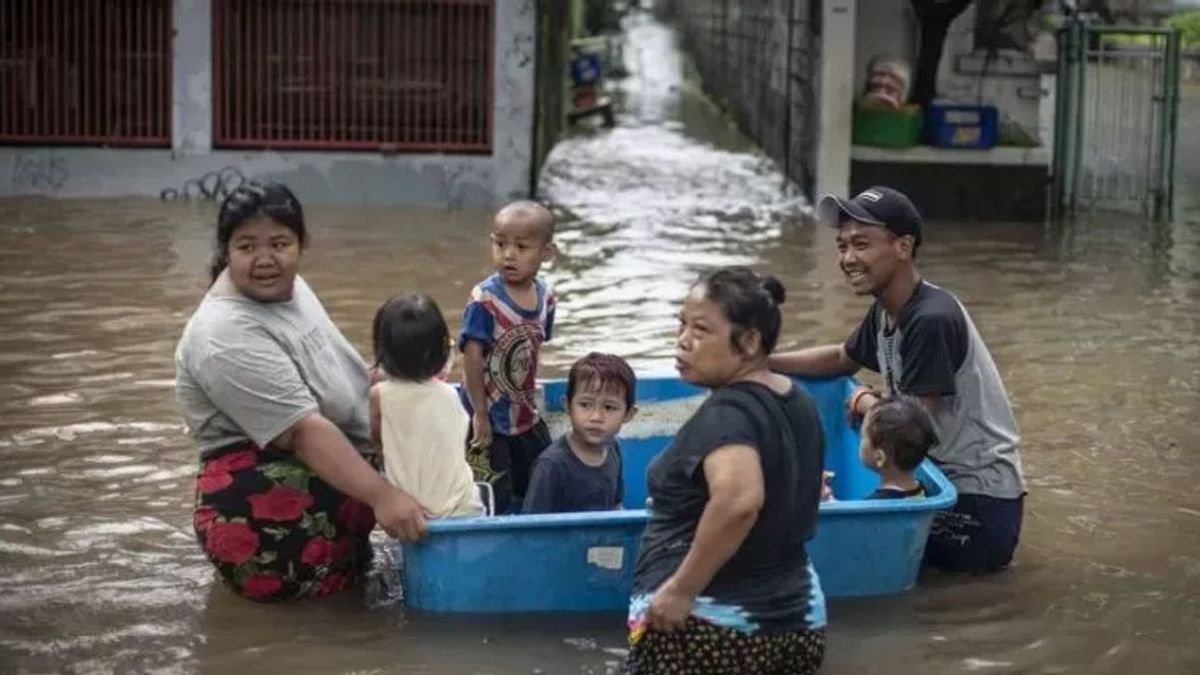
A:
(1117, 107)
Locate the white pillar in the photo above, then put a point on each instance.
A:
(514, 92)
(191, 76)
(836, 96)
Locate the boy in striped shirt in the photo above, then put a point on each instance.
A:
(509, 316)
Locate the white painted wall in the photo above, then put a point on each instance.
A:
(1016, 96)
(889, 27)
(836, 93)
(884, 27)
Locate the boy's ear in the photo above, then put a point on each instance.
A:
(630, 413)
(550, 251)
(880, 459)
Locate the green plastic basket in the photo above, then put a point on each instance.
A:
(887, 128)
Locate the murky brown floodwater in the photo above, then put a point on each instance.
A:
(1096, 328)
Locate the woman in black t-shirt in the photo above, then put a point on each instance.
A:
(723, 583)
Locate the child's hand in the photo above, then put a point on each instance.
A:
(483, 431)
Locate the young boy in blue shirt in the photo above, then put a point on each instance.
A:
(582, 470)
(509, 316)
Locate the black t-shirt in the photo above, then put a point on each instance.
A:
(896, 493)
(561, 483)
(934, 343)
(768, 582)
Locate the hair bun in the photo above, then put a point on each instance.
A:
(774, 288)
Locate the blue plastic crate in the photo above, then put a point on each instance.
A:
(962, 126)
(585, 69)
(578, 562)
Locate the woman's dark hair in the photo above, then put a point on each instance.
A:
(749, 301)
(603, 371)
(903, 429)
(255, 200)
(410, 337)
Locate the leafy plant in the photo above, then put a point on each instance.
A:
(1188, 24)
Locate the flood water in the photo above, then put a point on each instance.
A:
(1095, 326)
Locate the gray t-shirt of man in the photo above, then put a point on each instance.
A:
(247, 370)
(935, 350)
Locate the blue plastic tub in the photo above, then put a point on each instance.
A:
(584, 561)
(962, 126)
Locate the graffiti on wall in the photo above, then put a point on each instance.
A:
(42, 172)
(214, 185)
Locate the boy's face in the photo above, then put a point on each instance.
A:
(871, 457)
(870, 255)
(597, 412)
(519, 247)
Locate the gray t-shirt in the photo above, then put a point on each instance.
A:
(935, 350)
(247, 370)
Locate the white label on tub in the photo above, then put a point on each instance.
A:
(607, 557)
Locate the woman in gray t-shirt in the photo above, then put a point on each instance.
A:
(276, 399)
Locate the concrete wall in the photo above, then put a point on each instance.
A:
(742, 51)
(318, 177)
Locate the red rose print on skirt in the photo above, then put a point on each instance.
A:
(203, 518)
(231, 542)
(234, 461)
(280, 503)
(261, 586)
(212, 482)
(356, 516)
(318, 551)
(332, 584)
(342, 548)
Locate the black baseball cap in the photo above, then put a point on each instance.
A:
(877, 205)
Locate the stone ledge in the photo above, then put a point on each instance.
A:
(925, 154)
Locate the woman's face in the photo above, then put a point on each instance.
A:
(264, 257)
(704, 354)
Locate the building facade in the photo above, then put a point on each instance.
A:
(421, 102)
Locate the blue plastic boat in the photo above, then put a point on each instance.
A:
(583, 562)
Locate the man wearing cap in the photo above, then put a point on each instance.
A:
(921, 340)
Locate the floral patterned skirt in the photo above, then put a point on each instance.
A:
(274, 530)
(703, 648)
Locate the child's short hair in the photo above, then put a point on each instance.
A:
(604, 371)
(903, 429)
(532, 212)
(410, 337)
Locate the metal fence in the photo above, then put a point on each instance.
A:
(761, 59)
(1116, 120)
(85, 72)
(378, 75)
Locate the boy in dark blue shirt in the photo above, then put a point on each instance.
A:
(897, 434)
(581, 470)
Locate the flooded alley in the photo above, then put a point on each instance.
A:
(1095, 326)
